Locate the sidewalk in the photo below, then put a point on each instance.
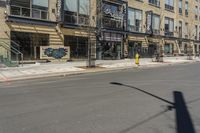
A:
(61, 69)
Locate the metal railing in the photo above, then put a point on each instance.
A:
(29, 12)
(11, 54)
(169, 33)
(155, 2)
(169, 7)
(156, 31)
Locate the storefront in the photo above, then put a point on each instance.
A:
(134, 47)
(152, 49)
(111, 47)
(168, 49)
(78, 46)
(113, 26)
(29, 43)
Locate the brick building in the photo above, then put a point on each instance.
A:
(115, 29)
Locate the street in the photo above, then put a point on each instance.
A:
(149, 100)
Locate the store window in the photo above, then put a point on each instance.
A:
(78, 46)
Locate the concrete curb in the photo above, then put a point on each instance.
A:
(92, 70)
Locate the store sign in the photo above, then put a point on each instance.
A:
(113, 11)
(149, 21)
(112, 37)
(54, 52)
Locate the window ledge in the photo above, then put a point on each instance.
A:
(154, 5)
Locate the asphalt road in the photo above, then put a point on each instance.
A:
(155, 100)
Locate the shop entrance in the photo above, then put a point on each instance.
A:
(133, 48)
(30, 43)
(152, 50)
(78, 46)
(111, 50)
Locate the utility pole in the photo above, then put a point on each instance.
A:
(90, 60)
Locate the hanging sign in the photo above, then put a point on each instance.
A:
(149, 20)
(59, 10)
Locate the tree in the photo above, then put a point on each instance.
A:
(190, 33)
(89, 28)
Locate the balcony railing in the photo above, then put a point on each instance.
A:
(155, 2)
(168, 7)
(29, 12)
(169, 33)
(156, 32)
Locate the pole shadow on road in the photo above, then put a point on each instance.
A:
(184, 122)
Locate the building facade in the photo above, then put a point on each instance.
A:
(108, 29)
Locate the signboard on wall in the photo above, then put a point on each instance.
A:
(59, 10)
(108, 36)
(54, 52)
(149, 21)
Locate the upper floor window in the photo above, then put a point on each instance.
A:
(156, 24)
(199, 13)
(180, 29)
(186, 30)
(196, 32)
(196, 12)
(37, 9)
(134, 20)
(186, 8)
(199, 32)
(76, 12)
(180, 7)
(155, 2)
(113, 16)
(169, 26)
(169, 5)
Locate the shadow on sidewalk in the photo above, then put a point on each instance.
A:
(184, 122)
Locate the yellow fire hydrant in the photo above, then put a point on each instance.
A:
(137, 59)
